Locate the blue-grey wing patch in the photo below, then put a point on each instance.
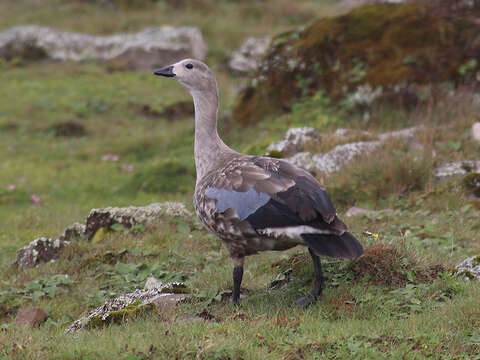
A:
(244, 203)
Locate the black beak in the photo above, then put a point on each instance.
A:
(166, 71)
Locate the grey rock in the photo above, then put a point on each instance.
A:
(469, 267)
(132, 215)
(295, 141)
(407, 133)
(334, 160)
(76, 231)
(249, 55)
(40, 250)
(30, 316)
(155, 46)
(476, 131)
(457, 168)
(161, 296)
(354, 211)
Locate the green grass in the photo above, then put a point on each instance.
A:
(357, 317)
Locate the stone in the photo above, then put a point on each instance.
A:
(469, 267)
(407, 133)
(334, 160)
(76, 231)
(247, 58)
(39, 251)
(150, 48)
(476, 131)
(132, 215)
(354, 211)
(458, 168)
(30, 316)
(131, 305)
(295, 141)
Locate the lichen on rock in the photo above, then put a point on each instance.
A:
(470, 268)
(40, 250)
(130, 306)
(132, 215)
(334, 160)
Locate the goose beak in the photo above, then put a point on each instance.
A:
(166, 71)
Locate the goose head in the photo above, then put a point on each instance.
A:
(193, 74)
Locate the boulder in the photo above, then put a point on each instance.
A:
(294, 142)
(476, 131)
(391, 53)
(150, 48)
(30, 316)
(132, 215)
(40, 250)
(469, 267)
(247, 58)
(131, 305)
(458, 168)
(334, 160)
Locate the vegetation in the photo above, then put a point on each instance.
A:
(399, 301)
(403, 54)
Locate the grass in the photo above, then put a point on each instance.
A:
(413, 317)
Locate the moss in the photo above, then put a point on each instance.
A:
(383, 45)
(132, 311)
(276, 154)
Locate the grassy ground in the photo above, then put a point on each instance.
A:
(400, 302)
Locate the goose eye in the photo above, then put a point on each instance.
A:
(189, 66)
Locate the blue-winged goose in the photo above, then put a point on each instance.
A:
(255, 203)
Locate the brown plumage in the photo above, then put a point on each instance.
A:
(253, 203)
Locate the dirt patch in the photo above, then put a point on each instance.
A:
(178, 110)
(386, 265)
(69, 129)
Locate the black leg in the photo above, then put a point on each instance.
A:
(237, 281)
(318, 283)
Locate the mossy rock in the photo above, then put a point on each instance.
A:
(129, 312)
(398, 48)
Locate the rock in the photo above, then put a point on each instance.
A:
(396, 69)
(131, 305)
(76, 231)
(476, 131)
(30, 316)
(450, 169)
(153, 47)
(334, 160)
(295, 141)
(407, 133)
(40, 250)
(132, 215)
(248, 56)
(469, 267)
(152, 283)
(354, 211)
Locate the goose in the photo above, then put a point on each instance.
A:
(256, 203)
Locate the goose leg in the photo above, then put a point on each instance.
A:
(318, 283)
(237, 279)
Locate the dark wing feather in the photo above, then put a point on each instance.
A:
(273, 193)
